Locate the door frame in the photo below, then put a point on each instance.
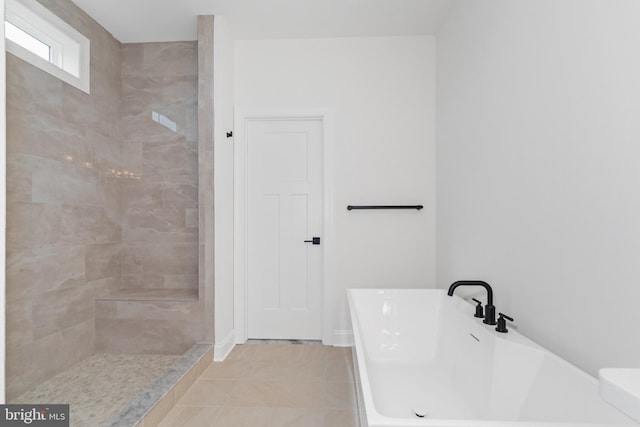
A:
(242, 118)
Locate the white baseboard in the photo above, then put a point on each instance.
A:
(342, 338)
(222, 348)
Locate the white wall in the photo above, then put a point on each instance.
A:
(538, 184)
(223, 178)
(381, 94)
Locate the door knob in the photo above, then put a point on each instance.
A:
(314, 240)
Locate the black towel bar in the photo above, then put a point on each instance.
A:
(417, 207)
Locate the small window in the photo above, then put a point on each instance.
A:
(36, 35)
(27, 41)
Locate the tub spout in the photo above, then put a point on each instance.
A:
(489, 309)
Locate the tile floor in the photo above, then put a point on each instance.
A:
(274, 385)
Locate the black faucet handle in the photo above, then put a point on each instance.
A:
(502, 323)
(479, 311)
(506, 317)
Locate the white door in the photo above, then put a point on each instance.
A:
(284, 281)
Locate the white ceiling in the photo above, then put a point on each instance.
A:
(170, 20)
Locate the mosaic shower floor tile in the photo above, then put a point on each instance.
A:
(97, 387)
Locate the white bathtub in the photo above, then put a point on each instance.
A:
(423, 350)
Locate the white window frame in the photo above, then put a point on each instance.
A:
(70, 50)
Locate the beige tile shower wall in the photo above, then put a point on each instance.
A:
(63, 207)
(160, 177)
(148, 326)
(205, 164)
(160, 209)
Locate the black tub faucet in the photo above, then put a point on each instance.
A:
(489, 308)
